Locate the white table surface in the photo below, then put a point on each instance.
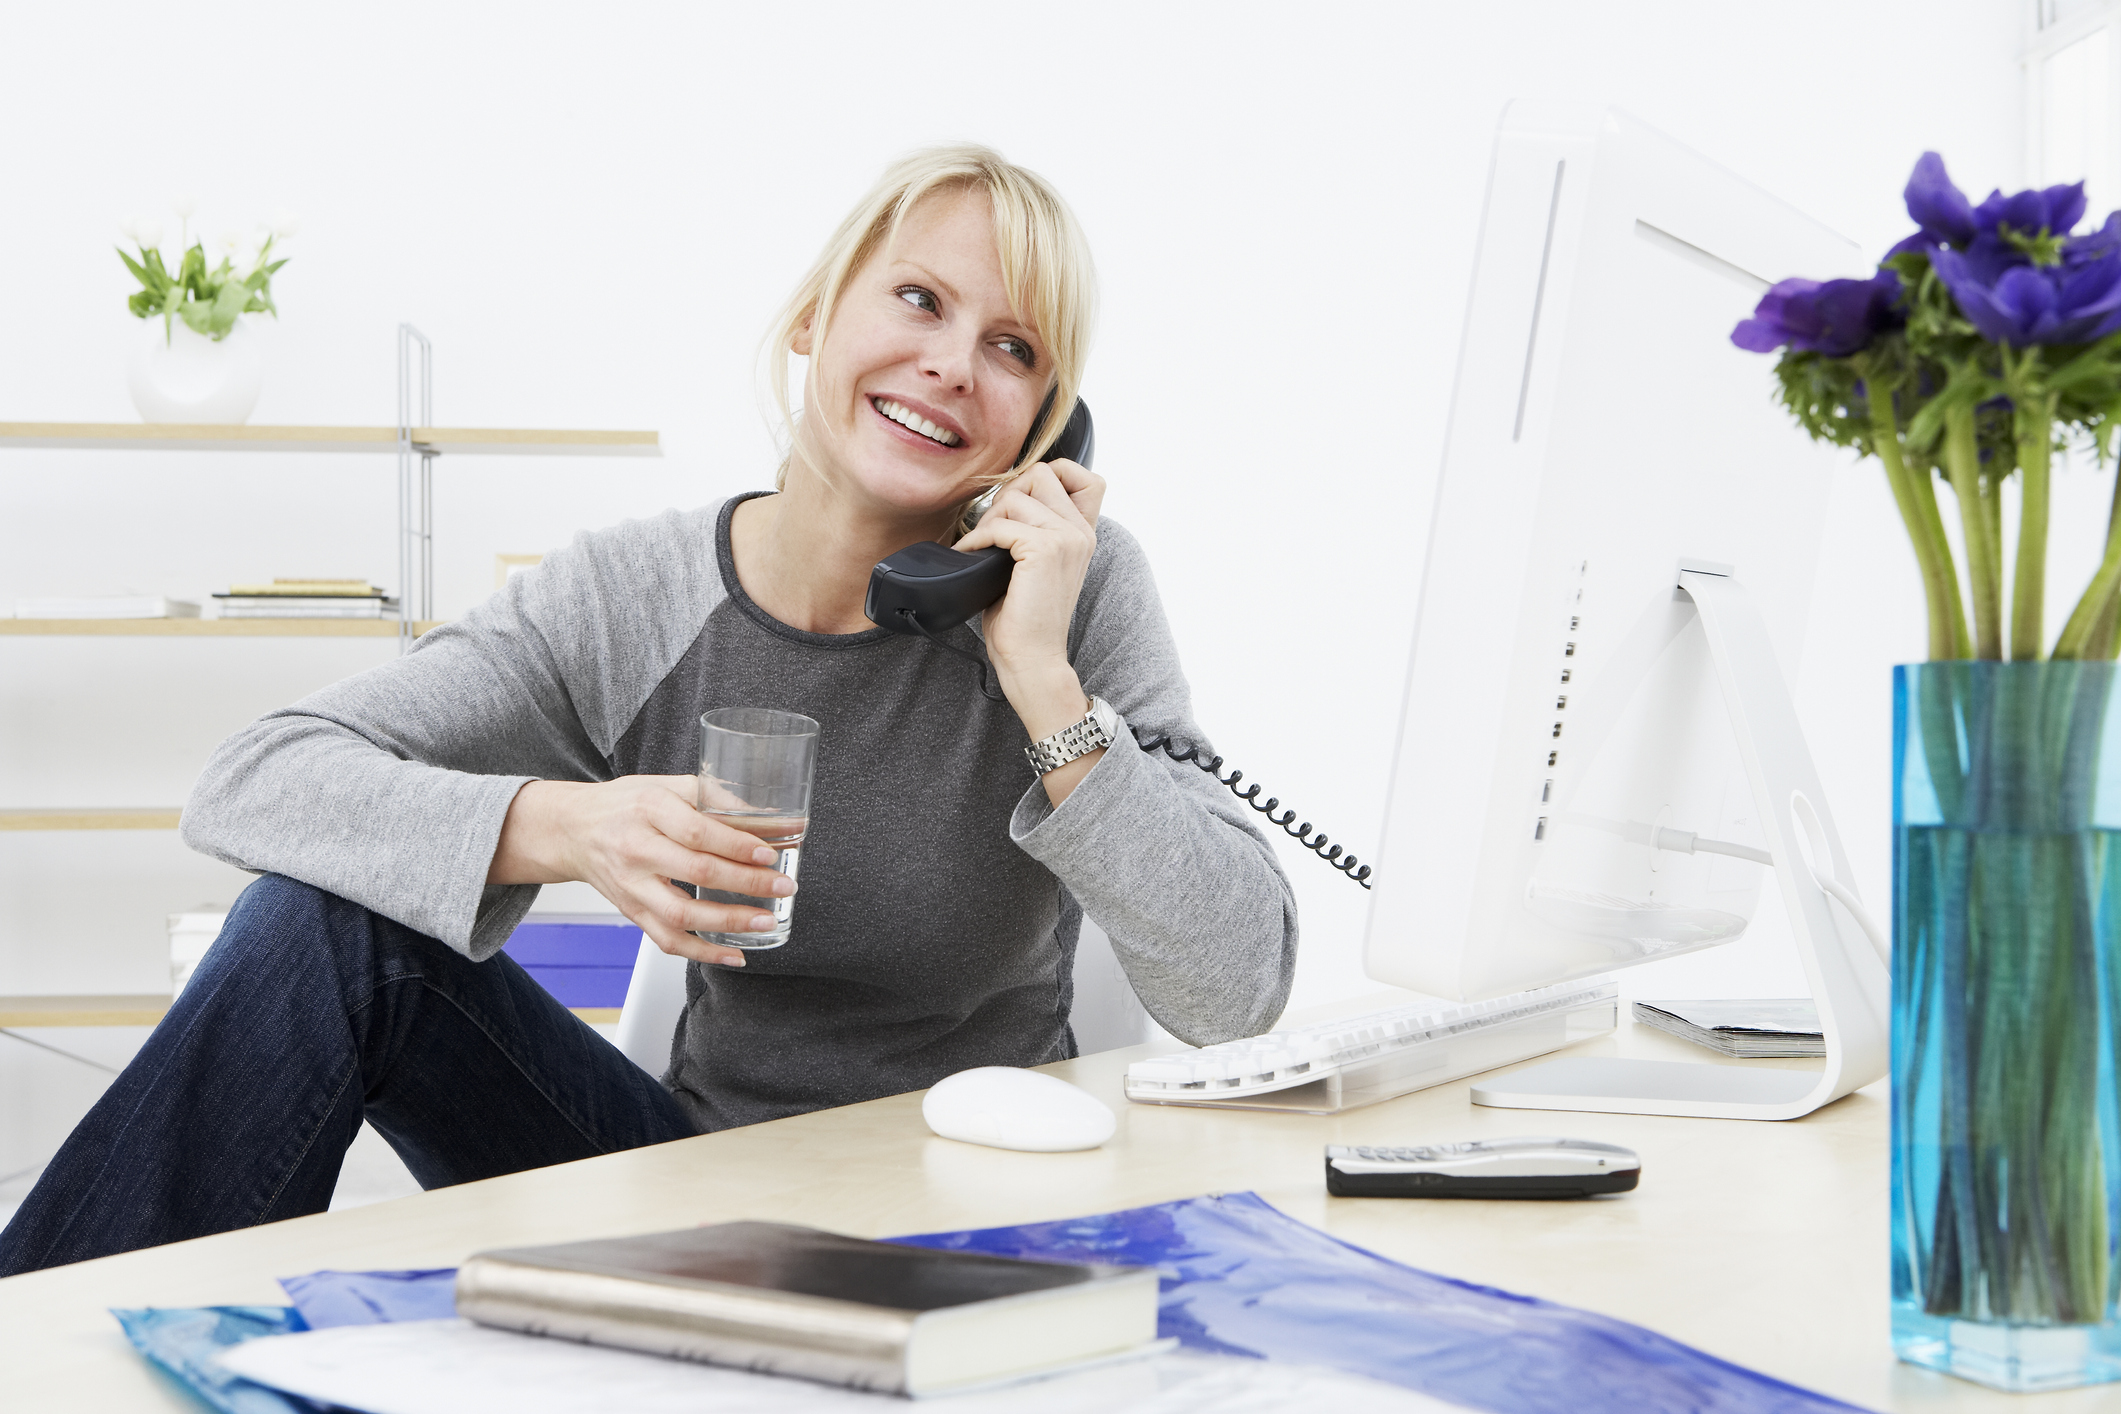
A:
(1762, 1243)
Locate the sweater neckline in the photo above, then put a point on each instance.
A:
(725, 553)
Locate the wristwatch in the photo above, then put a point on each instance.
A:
(1097, 730)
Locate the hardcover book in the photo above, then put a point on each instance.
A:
(790, 1300)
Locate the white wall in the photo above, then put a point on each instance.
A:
(593, 211)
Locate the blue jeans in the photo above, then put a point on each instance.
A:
(308, 1015)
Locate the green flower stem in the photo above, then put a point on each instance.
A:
(2035, 425)
(2106, 633)
(1925, 530)
(1984, 554)
(1992, 527)
(2090, 630)
(1922, 488)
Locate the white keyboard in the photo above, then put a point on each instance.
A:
(1399, 1040)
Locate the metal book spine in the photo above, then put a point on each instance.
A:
(772, 1332)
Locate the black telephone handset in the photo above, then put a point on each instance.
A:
(927, 589)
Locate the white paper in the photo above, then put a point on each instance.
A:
(456, 1367)
(107, 606)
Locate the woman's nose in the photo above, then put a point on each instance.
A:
(950, 362)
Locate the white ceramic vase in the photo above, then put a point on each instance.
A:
(187, 377)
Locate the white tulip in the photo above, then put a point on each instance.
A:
(185, 207)
(286, 223)
(147, 233)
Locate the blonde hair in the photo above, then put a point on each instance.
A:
(1047, 274)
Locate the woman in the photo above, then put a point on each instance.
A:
(405, 818)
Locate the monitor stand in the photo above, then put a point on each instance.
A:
(1848, 980)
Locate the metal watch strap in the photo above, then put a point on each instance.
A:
(1095, 731)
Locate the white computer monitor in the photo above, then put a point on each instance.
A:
(1564, 714)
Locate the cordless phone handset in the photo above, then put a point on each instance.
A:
(928, 588)
(925, 590)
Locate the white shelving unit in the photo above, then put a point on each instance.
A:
(416, 443)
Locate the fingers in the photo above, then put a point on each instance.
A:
(1012, 535)
(1037, 500)
(679, 943)
(671, 918)
(712, 871)
(682, 844)
(702, 834)
(1084, 488)
(1041, 487)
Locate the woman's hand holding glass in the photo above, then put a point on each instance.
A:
(628, 839)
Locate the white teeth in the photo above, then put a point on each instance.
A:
(906, 418)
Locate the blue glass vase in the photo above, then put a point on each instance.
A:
(2006, 988)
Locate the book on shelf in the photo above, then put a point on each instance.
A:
(790, 1300)
(306, 599)
(308, 589)
(107, 606)
(1749, 1030)
(281, 606)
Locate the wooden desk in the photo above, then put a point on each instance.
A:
(1762, 1243)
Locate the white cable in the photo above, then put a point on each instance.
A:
(1817, 854)
(1687, 843)
(1880, 939)
(1735, 851)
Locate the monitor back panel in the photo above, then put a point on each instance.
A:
(1560, 703)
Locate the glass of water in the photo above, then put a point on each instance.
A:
(755, 769)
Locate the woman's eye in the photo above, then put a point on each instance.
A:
(1018, 350)
(920, 299)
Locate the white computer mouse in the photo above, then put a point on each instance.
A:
(1006, 1108)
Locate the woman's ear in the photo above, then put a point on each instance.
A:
(801, 343)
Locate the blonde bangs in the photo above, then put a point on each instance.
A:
(1047, 273)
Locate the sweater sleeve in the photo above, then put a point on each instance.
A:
(389, 788)
(1158, 852)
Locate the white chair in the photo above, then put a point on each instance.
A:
(1107, 1014)
(655, 998)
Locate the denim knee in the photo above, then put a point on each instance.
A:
(282, 927)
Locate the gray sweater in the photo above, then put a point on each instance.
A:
(941, 893)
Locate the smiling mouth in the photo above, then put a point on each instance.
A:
(914, 422)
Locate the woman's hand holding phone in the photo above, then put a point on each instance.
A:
(628, 839)
(1047, 521)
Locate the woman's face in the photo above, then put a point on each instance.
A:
(927, 381)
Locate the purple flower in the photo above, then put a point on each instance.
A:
(1946, 218)
(2056, 210)
(2094, 245)
(1833, 317)
(2022, 304)
(1939, 208)
(2011, 264)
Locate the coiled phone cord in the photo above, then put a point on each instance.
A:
(1300, 832)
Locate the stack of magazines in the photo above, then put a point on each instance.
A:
(1750, 1030)
(307, 599)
